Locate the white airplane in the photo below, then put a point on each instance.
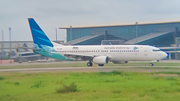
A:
(97, 54)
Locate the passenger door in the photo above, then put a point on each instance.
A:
(145, 51)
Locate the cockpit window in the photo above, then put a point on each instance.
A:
(156, 50)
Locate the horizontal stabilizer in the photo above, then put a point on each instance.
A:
(28, 48)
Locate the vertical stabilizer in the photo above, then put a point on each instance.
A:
(38, 35)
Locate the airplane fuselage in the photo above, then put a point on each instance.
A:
(115, 52)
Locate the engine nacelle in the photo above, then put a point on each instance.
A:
(100, 60)
(120, 62)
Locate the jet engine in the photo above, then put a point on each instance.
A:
(120, 62)
(100, 60)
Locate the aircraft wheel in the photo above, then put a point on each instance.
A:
(89, 64)
(100, 64)
(151, 64)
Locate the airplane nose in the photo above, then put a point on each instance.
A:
(164, 55)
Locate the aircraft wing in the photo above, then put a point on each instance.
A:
(79, 56)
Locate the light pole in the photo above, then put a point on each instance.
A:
(70, 33)
(136, 33)
(10, 44)
(2, 47)
(56, 34)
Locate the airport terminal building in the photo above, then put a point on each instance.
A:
(164, 34)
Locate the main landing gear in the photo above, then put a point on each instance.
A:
(151, 64)
(89, 64)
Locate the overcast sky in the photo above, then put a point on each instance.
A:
(51, 14)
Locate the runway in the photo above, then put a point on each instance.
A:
(71, 66)
(66, 62)
(97, 69)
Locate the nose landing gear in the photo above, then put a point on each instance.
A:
(151, 64)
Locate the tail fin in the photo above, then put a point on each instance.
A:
(38, 35)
